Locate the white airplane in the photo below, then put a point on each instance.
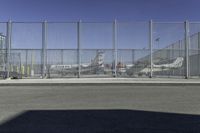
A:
(97, 64)
(144, 69)
(177, 63)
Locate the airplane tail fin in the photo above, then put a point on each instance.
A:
(178, 62)
(98, 60)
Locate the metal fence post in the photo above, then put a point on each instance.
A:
(187, 49)
(180, 53)
(8, 47)
(179, 48)
(151, 47)
(133, 56)
(198, 54)
(79, 48)
(44, 47)
(26, 70)
(173, 50)
(62, 56)
(115, 48)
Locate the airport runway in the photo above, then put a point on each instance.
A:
(154, 101)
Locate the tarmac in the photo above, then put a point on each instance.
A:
(100, 81)
(108, 105)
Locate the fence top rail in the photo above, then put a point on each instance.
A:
(77, 49)
(103, 49)
(75, 21)
(119, 21)
(194, 22)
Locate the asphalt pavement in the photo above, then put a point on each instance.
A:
(107, 108)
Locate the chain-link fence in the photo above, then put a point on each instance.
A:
(10, 65)
(108, 49)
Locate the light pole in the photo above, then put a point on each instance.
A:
(158, 48)
(158, 41)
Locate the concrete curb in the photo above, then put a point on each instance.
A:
(101, 82)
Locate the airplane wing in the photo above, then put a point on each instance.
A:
(176, 64)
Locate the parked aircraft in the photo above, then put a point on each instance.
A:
(177, 63)
(144, 69)
(96, 65)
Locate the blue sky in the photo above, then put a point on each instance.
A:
(130, 35)
(99, 10)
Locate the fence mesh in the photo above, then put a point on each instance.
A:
(10, 64)
(169, 50)
(97, 53)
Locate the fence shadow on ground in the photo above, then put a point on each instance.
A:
(101, 121)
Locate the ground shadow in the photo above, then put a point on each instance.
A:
(101, 121)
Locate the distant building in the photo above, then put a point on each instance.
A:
(2, 41)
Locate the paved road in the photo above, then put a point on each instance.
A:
(129, 101)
